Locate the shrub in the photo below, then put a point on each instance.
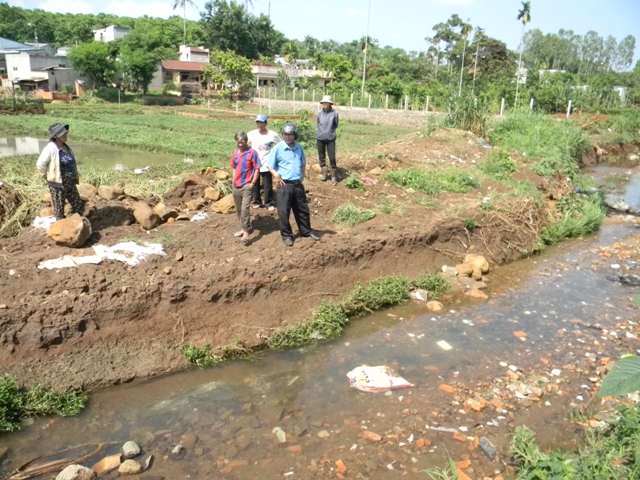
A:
(552, 146)
(354, 182)
(467, 112)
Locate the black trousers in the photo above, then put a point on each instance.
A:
(267, 185)
(291, 196)
(324, 147)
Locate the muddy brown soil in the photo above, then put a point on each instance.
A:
(97, 325)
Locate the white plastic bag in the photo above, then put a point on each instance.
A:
(376, 379)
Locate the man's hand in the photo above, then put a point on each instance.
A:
(279, 181)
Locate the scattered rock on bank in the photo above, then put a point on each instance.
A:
(76, 472)
(145, 216)
(71, 232)
(224, 205)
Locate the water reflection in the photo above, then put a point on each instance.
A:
(91, 155)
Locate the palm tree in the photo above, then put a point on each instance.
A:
(524, 16)
(183, 4)
(247, 3)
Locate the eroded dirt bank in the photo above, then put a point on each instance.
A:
(97, 325)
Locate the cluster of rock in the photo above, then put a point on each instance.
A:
(194, 193)
(468, 276)
(125, 462)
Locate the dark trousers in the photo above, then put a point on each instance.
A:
(291, 196)
(69, 191)
(267, 185)
(324, 147)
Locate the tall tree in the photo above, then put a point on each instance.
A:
(624, 53)
(477, 38)
(229, 26)
(140, 53)
(464, 33)
(93, 59)
(524, 15)
(183, 4)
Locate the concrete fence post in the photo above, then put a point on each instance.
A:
(569, 109)
(502, 107)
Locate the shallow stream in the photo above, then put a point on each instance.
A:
(563, 301)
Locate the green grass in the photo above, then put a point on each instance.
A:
(17, 403)
(160, 129)
(207, 356)
(435, 181)
(467, 112)
(350, 215)
(605, 454)
(577, 216)
(376, 294)
(327, 322)
(498, 165)
(551, 146)
(433, 283)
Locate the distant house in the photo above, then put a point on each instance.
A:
(264, 75)
(34, 71)
(186, 70)
(194, 54)
(8, 46)
(110, 33)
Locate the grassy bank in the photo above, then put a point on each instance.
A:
(17, 403)
(329, 319)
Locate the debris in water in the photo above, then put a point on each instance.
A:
(376, 379)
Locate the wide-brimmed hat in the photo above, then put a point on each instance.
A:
(261, 118)
(326, 99)
(57, 130)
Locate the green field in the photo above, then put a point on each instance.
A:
(162, 130)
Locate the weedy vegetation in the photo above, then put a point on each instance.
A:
(433, 182)
(350, 215)
(17, 403)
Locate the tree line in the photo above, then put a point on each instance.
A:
(457, 57)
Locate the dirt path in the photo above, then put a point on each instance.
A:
(98, 325)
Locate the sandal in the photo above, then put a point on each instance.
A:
(239, 233)
(245, 238)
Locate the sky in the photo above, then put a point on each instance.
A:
(398, 23)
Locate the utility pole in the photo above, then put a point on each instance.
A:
(366, 44)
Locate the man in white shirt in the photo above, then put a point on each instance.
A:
(262, 140)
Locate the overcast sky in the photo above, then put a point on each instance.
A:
(399, 23)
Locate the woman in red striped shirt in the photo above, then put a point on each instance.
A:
(245, 163)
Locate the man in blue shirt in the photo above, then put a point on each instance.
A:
(286, 163)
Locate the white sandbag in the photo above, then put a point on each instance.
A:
(376, 379)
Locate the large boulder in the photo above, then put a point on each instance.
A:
(107, 192)
(212, 194)
(86, 191)
(72, 232)
(195, 204)
(222, 174)
(76, 472)
(145, 216)
(164, 212)
(106, 465)
(478, 264)
(224, 205)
